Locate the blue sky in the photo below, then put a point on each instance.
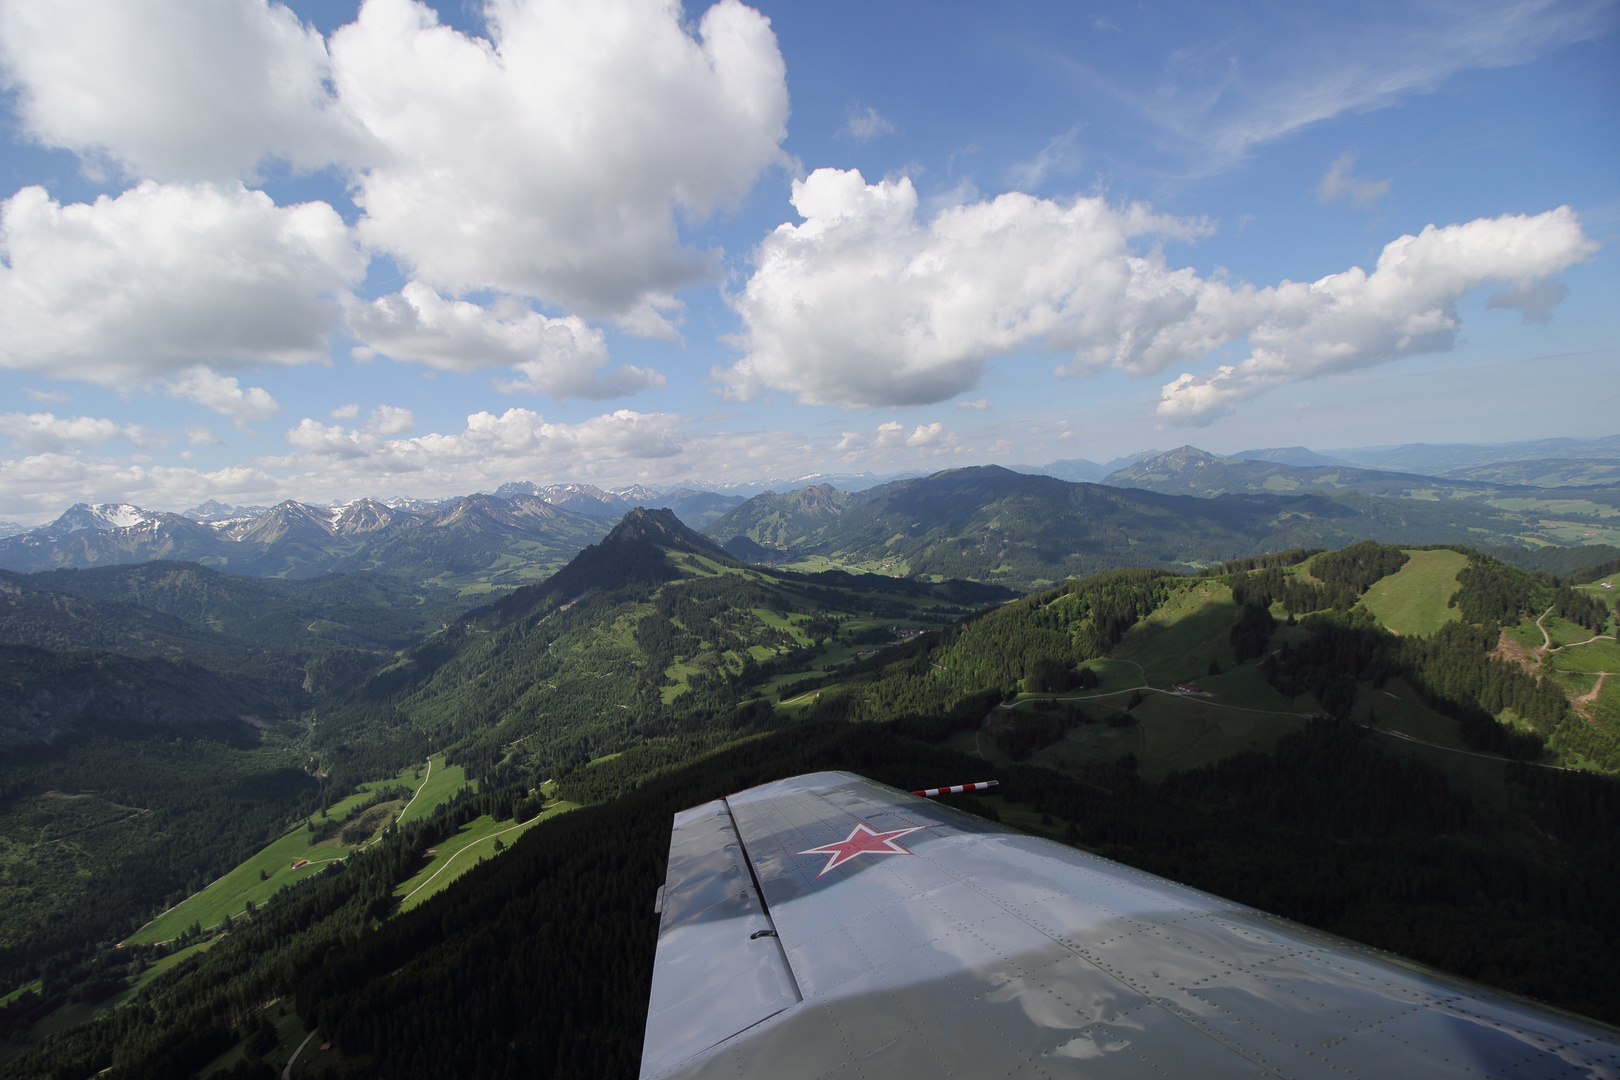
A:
(341, 253)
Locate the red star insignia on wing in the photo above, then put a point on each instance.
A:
(862, 841)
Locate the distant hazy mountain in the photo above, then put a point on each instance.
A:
(1079, 470)
(1290, 455)
(11, 528)
(1188, 470)
(1443, 458)
(841, 481)
(992, 524)
(214, 510)
(697, 508)
(580, 498)
(779, 524)
(1546, 472)
(477, 538)
(693, 506)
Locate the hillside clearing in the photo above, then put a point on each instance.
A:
(1415, 600)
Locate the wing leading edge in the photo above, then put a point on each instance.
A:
(913, 940)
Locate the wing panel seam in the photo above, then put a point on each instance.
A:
(764, 905)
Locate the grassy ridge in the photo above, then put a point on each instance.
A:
(1416, 598)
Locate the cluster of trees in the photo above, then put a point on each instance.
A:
(1358, 566)
(1452, 670)
(1024, 733)
(192, 1013)
(1494, 592)
(152, 819)
(1042, 637)
(1271, 560)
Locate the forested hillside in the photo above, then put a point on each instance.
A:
(157, 725)
(539, 962)
(652, 632)
(1258, 729)
(990, 524)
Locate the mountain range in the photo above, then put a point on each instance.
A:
(475, 540)
(1021, 529)
(1180, 510)
(1188, 470)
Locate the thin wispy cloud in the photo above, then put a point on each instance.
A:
(1059, 157)
(866, 124)
(1340, 184)
(1259, 80)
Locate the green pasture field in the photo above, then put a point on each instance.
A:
(1172, 732)
(1396, 708)
(290, 1033)
(1245, 687)
(1590, 658)
(1575, 683)
(1526, 633)
(814, 564)
(1560, 507)
(440, 782)
(789, 624)
(1605, 531)
(836, 654)
(1177, 642)
(460, 853)
(1413, 600)
(230, 894)
(174, 959)
(7, 999)
(1564, 632)
(1178, 734)
(682, 673)
(1086, 743)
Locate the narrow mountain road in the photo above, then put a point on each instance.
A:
(406, 898)
(1588, 641)
(1454, 750)
(286, 1071)
(425, 778)
(1546, 639)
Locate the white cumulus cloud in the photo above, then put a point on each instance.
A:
(562, 357)
(165, 277)
(224, 395)
(552, 159)
(516, 437)
(865, 304)
(1407, 305)
(48, 432)
(171, 90)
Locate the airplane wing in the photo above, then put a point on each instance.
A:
(827, 925)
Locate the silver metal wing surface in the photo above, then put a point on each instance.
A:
(890, 936)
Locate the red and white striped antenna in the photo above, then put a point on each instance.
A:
(929, 793)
